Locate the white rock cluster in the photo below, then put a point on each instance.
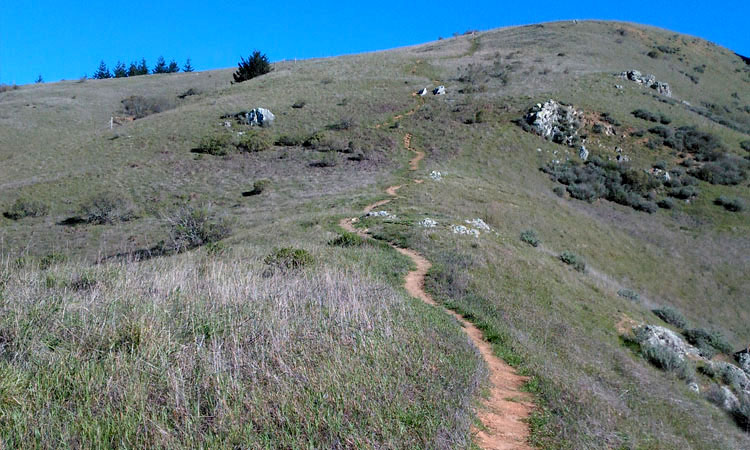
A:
(436, 176)
(460, 229)
(428, 223)
(647, 80)
(555, 121)
(384, 214)
(478, 224)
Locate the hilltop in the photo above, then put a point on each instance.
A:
(182, 279)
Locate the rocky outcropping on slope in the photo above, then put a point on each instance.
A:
(647, 80)
(555, 121)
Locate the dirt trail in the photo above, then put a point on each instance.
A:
(503, 414)
(414, 162)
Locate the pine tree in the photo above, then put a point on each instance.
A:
(39, 79)
(173, 67)
(102, 72)
(188, 66)
(142, 67)
(133, 69)
(161, 66)
(120, 71)
(256, 65)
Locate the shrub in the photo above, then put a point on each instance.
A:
(299, 104)
(574, 260)
(629, 294)
(661, 131)
(347, 239)
(730, 204)
(289, 141)
(343, 124)
(607, 117)
(559, 191)
(258, 187)
(645, 115)
(105, 208)
(139, 106)
(51, 259)
(715, 339)
(24, 207)
(684, 192)
(671, 316)
(667, 359)
(315, 140)
(665, 203)
(288, 258)
(214, 144)
(530, 237)
(704, 145)
(745, 145)
(330, 159)
(728, 170)
(191, 227)
(256, 65)
(665, 120)
(597, 128)
(254, 141)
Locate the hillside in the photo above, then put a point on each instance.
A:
(145, 302)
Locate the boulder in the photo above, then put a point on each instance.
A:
(743, 359)
(478, 223)
(384, 214)
(556, 122)
(657, 336)
(460, 229)
(428, 223)
(436, 176)
(440, 90)
(258, 116)
(583, 153)
(422, 92)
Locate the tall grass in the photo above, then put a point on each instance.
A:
(190, 351)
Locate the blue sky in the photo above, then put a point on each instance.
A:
(65, 40)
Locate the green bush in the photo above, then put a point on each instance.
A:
(629, 294)
(728, 170)
(684, 192)
(645, 115)
(52, 259)
(745, 145)
(191, 227)
(347, 239)
(705, 339)
(214, 144)
(254, 66)
(288, 258)
(105, 208)
(730, 204)
(24, 207)
(254, 141)
(530, 237)
(299, 104)
(316, 140)
(671, 316)
(665, 203)
(573, 260)
(290, 141)
(258, 187)
(667, 359)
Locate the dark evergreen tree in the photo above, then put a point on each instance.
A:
(161, 66)
(39, 79)
(133, 69)
(254, 66)
(143, 67)
(102, 72)
(173, 67)
(188, 66)
(120, 71)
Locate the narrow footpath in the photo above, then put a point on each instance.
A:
(504, 413)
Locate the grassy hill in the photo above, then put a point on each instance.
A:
(112, 334)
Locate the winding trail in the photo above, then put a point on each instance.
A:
(504, 413)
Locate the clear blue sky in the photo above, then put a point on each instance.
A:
(65, 40)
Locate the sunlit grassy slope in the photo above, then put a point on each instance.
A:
(217, 361)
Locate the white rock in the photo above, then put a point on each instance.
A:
(583, 153)
(440, 90)
(436, 176)
(422, 92)
(385, 214)
(428, 223)
(694, 387)
(478, 223)
(460, 229)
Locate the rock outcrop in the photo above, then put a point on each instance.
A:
(258, 116)
(661, 337)
(647, 80)
(555, 121)
(422, 92)
(440, 90)
(428, 223)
